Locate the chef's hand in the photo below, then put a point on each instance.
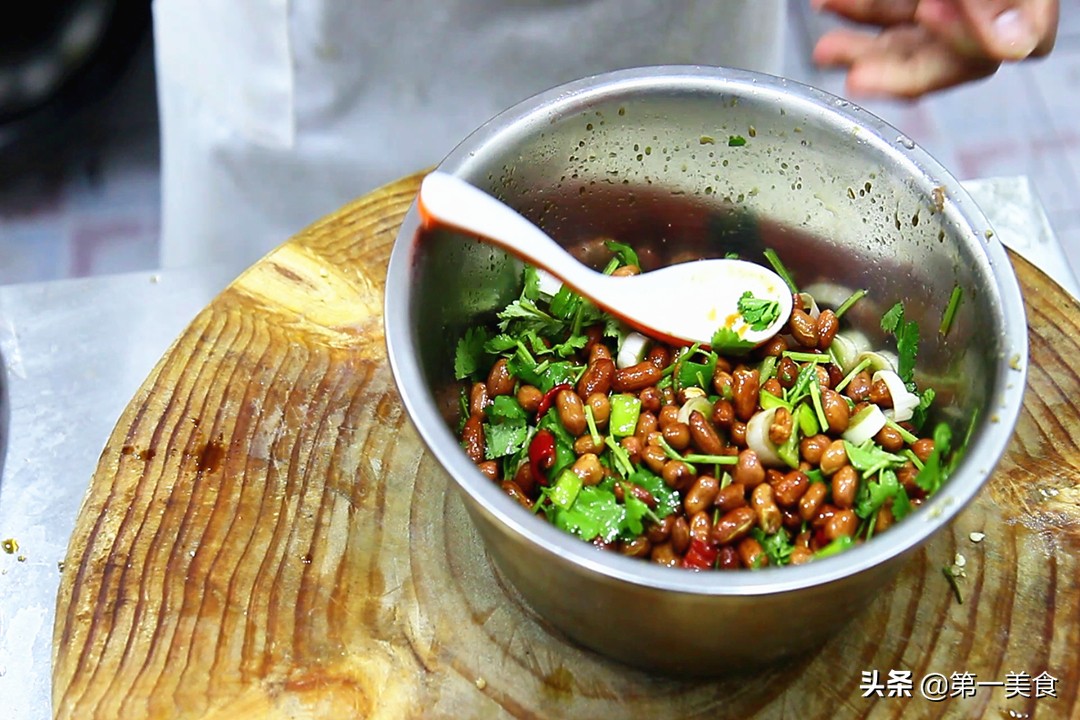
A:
(914, 47)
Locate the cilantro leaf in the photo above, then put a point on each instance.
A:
(777, 546)
(874, 494)
(892, 318)
(690, 373)
(727, 340)
(922, 410)
(503, 439)
(759, 313)
(934, 471)
(531, 280)
(595, 513)
(736, 141)
(524, 314)
(667, 499)
(505, 409)
(623, 252)
(500, 343)
(470, 353)
(564, 303)
(507, 427)
(869, 459)
(907, 340)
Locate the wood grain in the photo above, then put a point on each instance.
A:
(265, 537)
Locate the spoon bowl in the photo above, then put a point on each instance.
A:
(681, 304)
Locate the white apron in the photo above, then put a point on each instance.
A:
(277, 112)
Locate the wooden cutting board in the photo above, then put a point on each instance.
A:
(266, 537)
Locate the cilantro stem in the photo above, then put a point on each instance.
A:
(710, 459)
(622, 459)
(908, 437)
(815, 397)
(674, 455)
(852, 299)
(807, 357)
(910, 455)
(594, 434)
(782, 271)
(851, 375)
(950, 310)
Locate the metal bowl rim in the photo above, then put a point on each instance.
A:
(963, 485)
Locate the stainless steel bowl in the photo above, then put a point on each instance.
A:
(652, 156)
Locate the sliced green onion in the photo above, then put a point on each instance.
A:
(808, 422)
(950, 310)
(864, 425)
(565, 490)
(852, 299)
(625, 410)
(782, 271)
(768, 369)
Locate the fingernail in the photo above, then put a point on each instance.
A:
(1014, 32)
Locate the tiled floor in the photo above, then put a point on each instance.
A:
(96, 209)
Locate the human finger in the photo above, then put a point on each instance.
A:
(870, 12)
(901, 62)
(945, 20)
(1012, 29)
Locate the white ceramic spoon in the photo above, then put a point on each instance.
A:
(683, 304)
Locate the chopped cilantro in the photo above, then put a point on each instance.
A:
(777, 547)
(667, 499)
(595, 513)
(874, 494)
(934, 471)
(506, 429)
(736, 141)
(689, 373)
(531, 283)
(758, 313)
(869, 459)
(782, 271)
(925, 399)
(852, 299)
(470, 353)
(907, 340)
(727, 340)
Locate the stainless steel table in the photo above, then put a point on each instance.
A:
(74, 353)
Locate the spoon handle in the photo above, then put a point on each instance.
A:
(448, 200)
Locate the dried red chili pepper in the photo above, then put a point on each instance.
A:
(700, 555)
(541, 455)
(549, 397)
